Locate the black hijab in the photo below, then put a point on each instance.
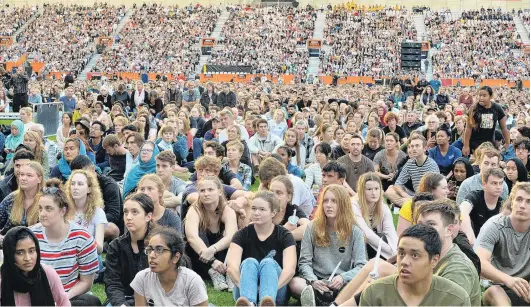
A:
(469, 169)
(522, 173)
(36, 282)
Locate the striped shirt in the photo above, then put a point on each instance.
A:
(415, 172)
(75, 255)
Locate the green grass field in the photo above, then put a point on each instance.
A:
(218, 298)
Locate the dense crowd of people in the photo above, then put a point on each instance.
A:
(71, 30)
(458, 40)
(266, 39)
(289, 187)
(139, 45)
(12, 18)
(365, 43)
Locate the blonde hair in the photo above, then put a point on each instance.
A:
(200, 208)
(345, 218)
(94, 198)
(39, 148)
(296, 146)
(158, 182)
(507, 205)
(377, 213)
(17, 211)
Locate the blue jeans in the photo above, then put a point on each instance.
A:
(197, 147)
(265, 273)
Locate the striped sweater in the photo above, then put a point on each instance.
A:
(75, 255)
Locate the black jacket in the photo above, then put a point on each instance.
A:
(106, 100)
(121, 267)
(112, 199)
(442, 100)
(176, 96)
(206, 101)
(7, 185)
(132, 101)
(226, 100)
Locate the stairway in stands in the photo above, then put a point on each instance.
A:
(96, 56)
(27, 23)
(216, 33)
(422, 35)
(314, 62)
(522, 29)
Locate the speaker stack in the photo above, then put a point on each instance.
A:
(411, 55)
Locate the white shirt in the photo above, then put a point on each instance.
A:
(223, 136)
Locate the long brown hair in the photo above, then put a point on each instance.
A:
(296, 146)
(17, 211)
(200, 208)
(345, 218)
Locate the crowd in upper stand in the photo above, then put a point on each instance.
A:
(365, 43)
(266, 39)
(12, 18)
(140, 45)
(459, 38)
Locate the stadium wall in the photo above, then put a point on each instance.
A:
(454, 5)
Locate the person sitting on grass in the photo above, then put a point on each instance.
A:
(503, 247)
(125, 255)
(24, 280)
(262, 254)
(209, 228)
(332, 240)
(415, 284)
(152, 186)
(454, 264)
(167, 282)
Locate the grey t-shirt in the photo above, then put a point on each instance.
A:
(170, 219)
(177, 186)
(189, 289)
(510, 249)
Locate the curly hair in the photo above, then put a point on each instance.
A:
(94, 197)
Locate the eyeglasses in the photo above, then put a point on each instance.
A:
(147, 150)
(159, 250)
(50, 190)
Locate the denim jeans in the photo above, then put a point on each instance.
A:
(264, 273)
(197, 147)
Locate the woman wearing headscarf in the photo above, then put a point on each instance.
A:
(73, 147)
(14, 139)
(515, 171)
(461, 170)
(27, 282)
(146, 165)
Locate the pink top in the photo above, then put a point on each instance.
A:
(58, 292)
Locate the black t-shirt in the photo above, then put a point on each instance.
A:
(225, 175)
(192, 188)
(117, 164)
(369, 152)
(278, 241)
(408, 129)
(484, 132)
(289, 212)
(480, 212)
(398, 130)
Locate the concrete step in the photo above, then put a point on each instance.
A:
(521, 29)
(92, 62)
(216, 33)
(21, 30)
(318, 32)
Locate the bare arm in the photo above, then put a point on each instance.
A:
(140, 300)
(298, 232)
(235, 183)
(100, 233)
(234, 259)
(83, 286)
(400, 191)
(289, 263)
(231, 226)
(191, 228)
(403, 224)
(466, 224)
(505, 132)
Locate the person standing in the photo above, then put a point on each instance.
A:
(20, 90)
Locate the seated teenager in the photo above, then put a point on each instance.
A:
(454, 264)
(73, 147)
(57, 233)
(419, 251)
(374, 217)
(302, 195)
(514, 169)
(24, 281)
(210, 166)
(209, 227)
(167, 282)
(227, 177)
(125, 255)
(117, 156)
(331, 239)
(152, 186)
(461, 170)
(173, 186)
(146, 165)
(234, 164)
(289, 216)
(433, 183)
(262, 254)
(20, 208)
(503, 247)
(287, 154)
(10, 182)
(110, 192)
(84, 192)
(479, 206)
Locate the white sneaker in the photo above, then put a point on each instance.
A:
(307, 297)
(218, 280)
(230, 284)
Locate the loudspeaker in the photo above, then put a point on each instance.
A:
(295, 3)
